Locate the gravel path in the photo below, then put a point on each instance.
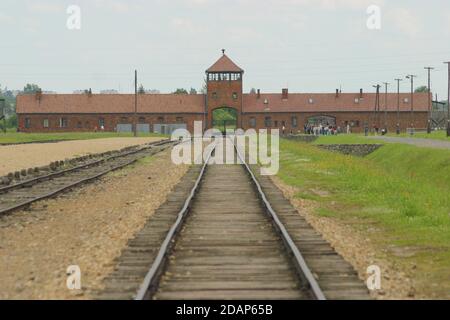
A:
(87, 227)
(17, 157)
(420, 142)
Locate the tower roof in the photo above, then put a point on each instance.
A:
(224, 64)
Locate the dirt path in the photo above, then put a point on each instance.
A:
(88, 227)
(17, 157)
(419, 142)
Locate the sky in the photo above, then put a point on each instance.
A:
(304, 45)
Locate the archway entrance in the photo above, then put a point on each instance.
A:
(322, 120)
(224, 119)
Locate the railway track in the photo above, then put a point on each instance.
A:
(225, 233)
(229, 244)
(48, 184)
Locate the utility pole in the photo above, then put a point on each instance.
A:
(448, 101)
(398, 104)
(430, 97)
(386, 84)
(135, 103)
(377, 108)
(411, 77)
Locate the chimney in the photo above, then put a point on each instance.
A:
(337, 93)
(361, 93)
(258, 94)
(285, 94)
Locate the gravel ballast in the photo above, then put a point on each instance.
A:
(87, 227)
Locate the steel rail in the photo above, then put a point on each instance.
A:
(69, 186)
(50, 176)
(151, 280)
(300, 263)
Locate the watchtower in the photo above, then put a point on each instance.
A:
(224, 89)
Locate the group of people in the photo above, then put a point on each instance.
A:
(324, 130)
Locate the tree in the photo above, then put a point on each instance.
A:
(181, 91)
(192, 91)
(31, 89)
(421, 89)
(253, 91)
(11, 122)
(141, 89)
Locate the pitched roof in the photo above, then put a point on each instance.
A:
(224, 64)
(328, 102)
(110, 103)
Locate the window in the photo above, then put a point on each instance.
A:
(101, 122)
(45, 123)
(63, 123)
(214, 95)
(123, 120)
(79, 124)
(268, 122)
(141, 120)
(180, 119)
(86, 125)
(356, 100)
(294, 122)
(311, 101)
(160, 119)
(276, 124)
(235, 95)
(27, 123)
(252, 122)
(405, 100)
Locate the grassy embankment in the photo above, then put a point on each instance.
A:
(15, 137)
(400, 191)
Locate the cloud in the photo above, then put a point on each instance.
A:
(405, 21)
(5, 19)
(183, 25)
(117, 6)
(43, 7)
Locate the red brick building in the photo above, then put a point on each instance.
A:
(166, 112)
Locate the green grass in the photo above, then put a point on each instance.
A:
(15, 137)
(402, 190)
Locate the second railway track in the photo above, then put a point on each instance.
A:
(23, 193)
